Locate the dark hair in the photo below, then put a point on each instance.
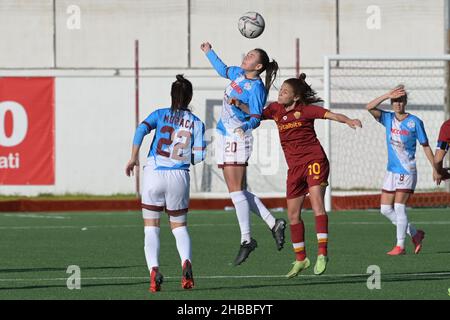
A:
(181, 94)
(270, 67)
(303, 90)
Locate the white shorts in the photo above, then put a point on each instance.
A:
(399, 182)
(167, 189)
(233, 150)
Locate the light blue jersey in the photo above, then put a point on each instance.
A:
(178, 141)
(401, 139)
(250, 91)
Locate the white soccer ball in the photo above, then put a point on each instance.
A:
(251, 25)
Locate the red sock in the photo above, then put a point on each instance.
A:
(322, 233)
(298, 240)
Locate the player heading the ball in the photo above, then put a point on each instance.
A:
(235, 139)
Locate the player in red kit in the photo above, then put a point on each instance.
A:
(442, 148)
(294, 114)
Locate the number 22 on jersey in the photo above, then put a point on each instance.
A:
(177, 151)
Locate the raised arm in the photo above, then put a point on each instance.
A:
(222, 69)
(372, 106)
(352, 123)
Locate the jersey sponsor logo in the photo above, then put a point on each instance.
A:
(291, 125)
(236, 87)
(179, 121)
(400, 132)
(297, 115)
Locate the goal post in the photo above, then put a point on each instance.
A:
(358, 159)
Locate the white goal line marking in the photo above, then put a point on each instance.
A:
(364, 275)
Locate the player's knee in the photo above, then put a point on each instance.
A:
(293, 216)
(178, 221)
(386, 209)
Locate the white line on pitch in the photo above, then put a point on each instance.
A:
(232, 277)
(205, 225)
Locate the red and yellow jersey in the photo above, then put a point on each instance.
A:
(296, 129)
(444, 136)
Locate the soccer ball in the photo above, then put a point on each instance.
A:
(251, 25)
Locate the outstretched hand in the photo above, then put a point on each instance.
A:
(354, 123)
(205, 46)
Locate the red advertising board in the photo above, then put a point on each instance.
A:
(27, 137)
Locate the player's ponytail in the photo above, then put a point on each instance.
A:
(270, 67)
(181, 94)
(303, 90)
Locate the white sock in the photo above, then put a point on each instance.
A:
(402, 223)
(151, 247)
(389, 212)
(243, 214)
(183, 243)
(258, 208)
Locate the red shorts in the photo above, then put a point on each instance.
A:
(301, 177)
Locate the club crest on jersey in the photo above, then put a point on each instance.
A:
(411, 124)
(285, 118)
(297, 115)
(247, 86)
(236, 87)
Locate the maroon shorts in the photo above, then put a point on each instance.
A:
(301, 177)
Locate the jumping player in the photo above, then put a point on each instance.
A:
(178, 142)
(235, 139)
(294, 114)
(402, 131)
(442, 148)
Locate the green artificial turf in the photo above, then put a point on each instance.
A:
(37, 248)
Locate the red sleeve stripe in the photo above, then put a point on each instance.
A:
(199, 148)
(148, 125)
(257, 116)
(425, 144)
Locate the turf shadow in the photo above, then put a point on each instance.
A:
(361, 279)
